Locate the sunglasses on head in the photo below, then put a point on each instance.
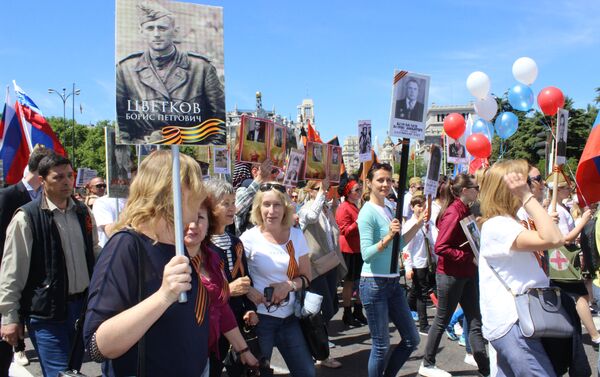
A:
(272, 186)
(537, 178)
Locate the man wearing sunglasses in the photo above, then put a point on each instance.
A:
(95, 189)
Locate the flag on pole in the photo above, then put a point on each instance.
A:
(588, 170)
(22, 128)
(37, 129)
(14, 152)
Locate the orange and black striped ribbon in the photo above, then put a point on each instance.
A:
(398, 76)
(238, 267)
(293, 270)
(225, 289)
(202, 300)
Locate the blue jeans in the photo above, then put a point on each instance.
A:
(384, 300)
(286, 335)
(520, 356)
(52, 340)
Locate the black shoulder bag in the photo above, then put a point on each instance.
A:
(314, 330)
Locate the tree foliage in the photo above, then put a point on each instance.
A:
(522, 143)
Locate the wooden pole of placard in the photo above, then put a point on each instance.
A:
(400, 201)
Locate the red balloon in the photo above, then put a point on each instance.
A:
(454, 125)
(479, 146)
(550, 100)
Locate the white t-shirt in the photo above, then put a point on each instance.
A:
(406, 210)
(565, 220)
(519, 269)
(105, 212)
(416, 248)
(268, 263)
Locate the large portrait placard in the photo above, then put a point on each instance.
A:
(410, 94)
(169, 73)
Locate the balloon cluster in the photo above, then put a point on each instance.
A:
(520, 97)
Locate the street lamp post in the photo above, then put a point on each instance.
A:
(64, 97)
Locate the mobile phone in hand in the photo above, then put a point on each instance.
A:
(268, 292)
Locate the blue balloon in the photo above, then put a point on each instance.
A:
(482, 126)
(506, 124)
(521, 97)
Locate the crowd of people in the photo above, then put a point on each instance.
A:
(102, 275)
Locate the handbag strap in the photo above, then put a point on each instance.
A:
(501, 280)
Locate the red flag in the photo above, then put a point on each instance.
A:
(588, 170)
(312, 134)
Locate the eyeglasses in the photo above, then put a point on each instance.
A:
(476, 188)
(537, 178)
(272, 186)
(420, 188)
(315, 188)
(273, 307)
(295, 196)
(100, 186)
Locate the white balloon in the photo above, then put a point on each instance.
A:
(486, 107)
(478, 84)
(525, 70)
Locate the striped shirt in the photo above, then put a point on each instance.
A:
(223, 242)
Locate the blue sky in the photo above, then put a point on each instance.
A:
(342, 54)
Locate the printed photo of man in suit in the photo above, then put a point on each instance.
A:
(409, 107)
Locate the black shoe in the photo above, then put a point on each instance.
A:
(424, 330)
(358, 314)
(349, 319)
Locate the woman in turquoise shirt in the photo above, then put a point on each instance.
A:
(380, 291)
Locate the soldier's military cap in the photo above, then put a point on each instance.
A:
(151, 11)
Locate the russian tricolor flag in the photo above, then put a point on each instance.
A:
(22, 128)
(588, 170)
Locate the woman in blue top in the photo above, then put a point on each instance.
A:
(380, 290)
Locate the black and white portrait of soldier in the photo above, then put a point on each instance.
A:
(410, 107)
(121, 165)
(364, 140)
(163, 84)
(562, 131)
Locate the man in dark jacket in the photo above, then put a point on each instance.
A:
(49, 255)
(11, 198)
(165, 86)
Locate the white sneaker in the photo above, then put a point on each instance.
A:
(432, 371)
(458, 330)
(469, 359)
(21, 359)
(330, 363)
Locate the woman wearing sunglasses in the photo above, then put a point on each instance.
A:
(456, 276)
(277, 255)
(380, 291)
(322, 234)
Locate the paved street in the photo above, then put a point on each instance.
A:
(352, 349)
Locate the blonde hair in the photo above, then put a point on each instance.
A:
(288, 215)
(495, 197)
(151, 193)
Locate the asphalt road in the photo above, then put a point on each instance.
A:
(352, 350)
